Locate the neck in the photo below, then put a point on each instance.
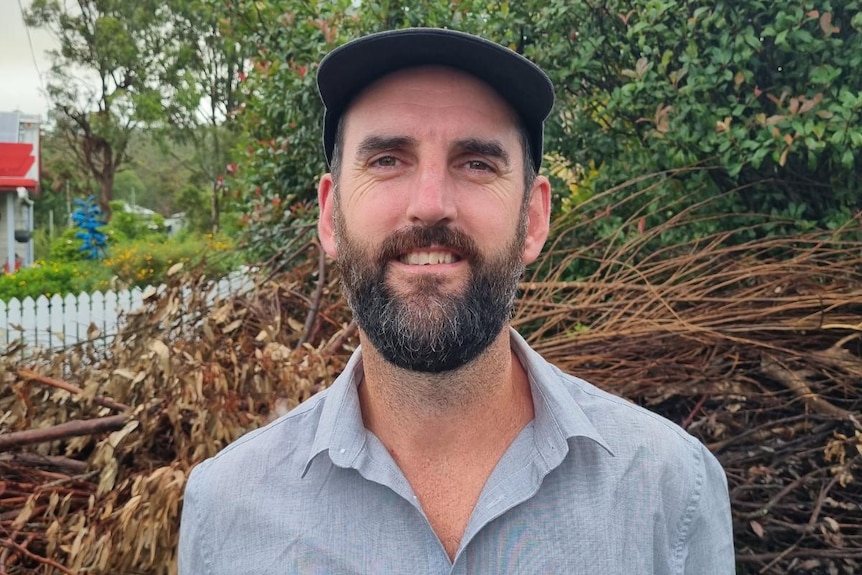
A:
(414, 412)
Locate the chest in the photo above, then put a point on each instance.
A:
(352, 526)
(448, 501)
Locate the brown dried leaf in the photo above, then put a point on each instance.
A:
(25, 514)
(757, 528)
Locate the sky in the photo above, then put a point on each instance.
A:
(20, 85)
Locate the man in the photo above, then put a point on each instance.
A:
(448, 445)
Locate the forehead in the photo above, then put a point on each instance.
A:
(432, 99)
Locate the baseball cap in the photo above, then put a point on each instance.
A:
(350, 68)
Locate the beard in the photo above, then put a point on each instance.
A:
(428, 329)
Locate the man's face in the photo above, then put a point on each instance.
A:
(429, 222)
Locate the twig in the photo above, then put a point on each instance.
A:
(694, 411)
(311, 316)
(58, 461)
(764, 429)
(815, 513)
(74, 428)
(336, 344)
(797, 385)
(764, 509)
(30, 375)
(782, 555)
(44, 560)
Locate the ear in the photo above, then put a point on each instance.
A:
(538, 219)
(326, 221)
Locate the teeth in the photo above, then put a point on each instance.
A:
(428, 258)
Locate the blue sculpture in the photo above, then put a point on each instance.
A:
(88, 217)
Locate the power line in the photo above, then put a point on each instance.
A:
(30, 42)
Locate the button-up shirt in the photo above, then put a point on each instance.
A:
(593, 485)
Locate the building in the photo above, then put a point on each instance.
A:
(19, 183)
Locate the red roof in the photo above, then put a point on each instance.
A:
(15, 162)
(18, 183)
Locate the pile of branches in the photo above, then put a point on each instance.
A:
(753, 346)
(96, 442)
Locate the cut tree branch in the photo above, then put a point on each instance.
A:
(30, 375)
(796, 383)
(66, 430)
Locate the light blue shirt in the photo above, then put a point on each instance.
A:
(594, 485)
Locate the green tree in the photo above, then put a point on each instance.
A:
(763, 99)
(766, 95)
(104, 83)
(203, 81)
(61, 179)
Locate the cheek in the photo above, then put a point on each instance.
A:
(494, 219)
(373, 210)
(370, 226)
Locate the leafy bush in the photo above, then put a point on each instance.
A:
(754, 102)
(67, 246)
(133, 226)
(131, 263)
(49, 278)
(768, 95)
(146, 262)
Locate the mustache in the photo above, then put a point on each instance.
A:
(420, 237)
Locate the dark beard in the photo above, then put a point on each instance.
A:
(429, 330)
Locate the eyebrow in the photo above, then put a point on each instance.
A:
(490, 148)
(374, 144)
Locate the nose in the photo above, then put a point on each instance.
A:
(432, 196)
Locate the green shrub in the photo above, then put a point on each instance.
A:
(767, 95)
(41, 243)
(49, 278)
(146, 262)
(67, 247)
(130, 263)
(133, 226)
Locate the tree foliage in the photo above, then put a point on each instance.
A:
(200, 95)
(764, 98)
(764, 94)
(103, 82)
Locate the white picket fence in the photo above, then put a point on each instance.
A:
(61, 321)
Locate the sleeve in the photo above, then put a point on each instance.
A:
(191, 553)
(709, 542)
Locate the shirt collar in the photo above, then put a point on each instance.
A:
(558, 417)
(340, 429)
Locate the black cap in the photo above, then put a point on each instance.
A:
(350, 68)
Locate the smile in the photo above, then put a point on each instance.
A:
(426, 258)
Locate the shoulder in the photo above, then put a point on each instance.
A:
(657, 466)
(626, 426)
(285, 442)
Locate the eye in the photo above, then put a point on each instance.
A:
(479, 165)
(385, 162)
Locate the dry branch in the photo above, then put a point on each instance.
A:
(796, 383)
(30, 375)
(66, 430)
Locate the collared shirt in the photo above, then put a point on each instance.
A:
(593, 485)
